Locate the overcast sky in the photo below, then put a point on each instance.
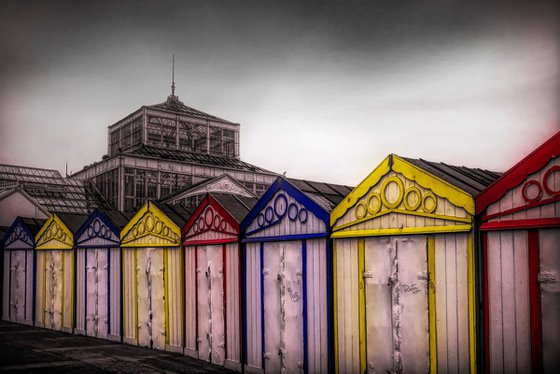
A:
(322, 90)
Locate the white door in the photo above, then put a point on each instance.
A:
(91, 292)
(210, 304)
(549, 278)
(396, 304)
(102, 274)
(20, 286)
(151, 311)
(283, 307)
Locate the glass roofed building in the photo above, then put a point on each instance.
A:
(160, 149)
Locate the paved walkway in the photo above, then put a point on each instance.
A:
(31, 349)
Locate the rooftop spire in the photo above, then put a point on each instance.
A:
(173, 77)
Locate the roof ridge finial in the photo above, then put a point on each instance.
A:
(173, 77)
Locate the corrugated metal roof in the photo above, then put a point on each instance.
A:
(173, 104)
(73, 221)
(118, 219)
(53, 192)
(237, 206)
(471, 180)
(194, 158)
(33, 224)
(328, 195)
(177, 213)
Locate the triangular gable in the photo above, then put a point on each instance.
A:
(529, 184)
(54, 235)
(397, 187)
(97, 231)
(16, 202)
(18, 236)
(284, 203)
(222, 184)
(210, 221)
(150, 227)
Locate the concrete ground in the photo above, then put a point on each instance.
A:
(31, 349)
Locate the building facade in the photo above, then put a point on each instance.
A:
(161, 149)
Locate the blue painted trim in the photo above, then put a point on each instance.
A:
(244, 302)
(85, 290)
(304, 293)
(111, 244)
(262, 302)
(18, 222)
(283, 238)
(108, 291)
(271, 224)
(95, 214)
(330, 307)
(282, 184)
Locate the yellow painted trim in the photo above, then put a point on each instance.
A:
(440, 187)
(407, 212)
(335, 310)
(150, 207)
(362, 305)
(166, 293)
(45, 241)
(402, 231)
(432, 303)
(472, 306)
(360, 191)
(44, 302)
(136, 297)
(431, 182)
(63, 283)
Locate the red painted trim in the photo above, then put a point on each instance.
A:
(224, 274)
(187, 239)
(535, 302)
(486, 302)
(521, 208)
(210, 241)
(196, 294)
(547, 175)
(212, 202)
(535, 161)
(521, 224)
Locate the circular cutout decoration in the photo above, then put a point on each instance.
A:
(158, 227)
(90, 232)
(201, 224)
(292, 212)
(165, 231)
(532, 191)
(209, 217)
(389, 183)
(412, 198)
(281, 205)
(373, 203)
(103, 231)
(217, 222)
(303, 215)
(59, 234)
(223, 225)
(268, 214)
(546, 180)
(260, 220)
(53, 230)
(360, 210)
(195, 227)
(96, 226)
(429, 203)
(141, 228)
(135, 232)
(150, 223)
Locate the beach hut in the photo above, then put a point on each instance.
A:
(19, 270)
(520, 225)
(54, 245)
(213, 279)
(287, 278)
(98, 275)
(152, 278)
(404, 269)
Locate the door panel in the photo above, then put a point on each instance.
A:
(91, 291)
(549, 248)
(271, 299)
(143, 273)
(157, 298)
(102, 274)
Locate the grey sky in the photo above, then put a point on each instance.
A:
(323, 90)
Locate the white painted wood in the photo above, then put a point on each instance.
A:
(253, 311)
(190, 299)
(80, 292)
(129, 301)
(549, 248)
(174, 293)
(379, 324)
(233, 341)
(39, 269)
(6, 291)
(102, 312)
(115, 290)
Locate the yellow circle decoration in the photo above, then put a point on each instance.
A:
(370, 208)
(412, 190)
(150, 222)
(141, 228)
(425, 207)
(361, 210)
(158, 226)
(400, 186)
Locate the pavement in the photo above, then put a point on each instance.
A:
(27, 349)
